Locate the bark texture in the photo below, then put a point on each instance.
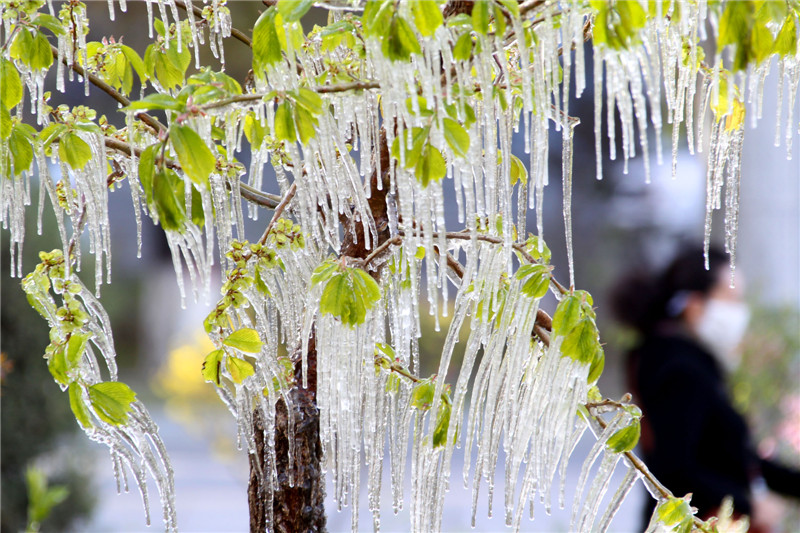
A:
(297, 506)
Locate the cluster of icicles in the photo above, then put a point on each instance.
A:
(524, 395)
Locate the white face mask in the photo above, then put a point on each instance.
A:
(721, 328)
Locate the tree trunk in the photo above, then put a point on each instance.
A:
(298, 506)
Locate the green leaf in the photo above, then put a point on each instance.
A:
(5, 126)
(625, 439)
(245, 339)
(598, 363)
(147, 169)
(112, 401)
(567, 314)
(253, 130)
(537, 280)
(158, 101)
(376, 16)
(735, 24)
(212, 365)
(135, 61)
(198, 215)
(266, 45)
(786, 40)
(306, 124)
(51, 132)
(78, 406)
(239, 369)
(41, 53)
(442, 425)
(517, 171)
(480, 17)
(284, 122)
(22, 46)
(195, 157)
(427, 16)
(169, 205)
(456, 136)
(57, 363)
(400, 42)
(348, 294)
(673, 511)
(74, 151)
(431, 166)
(50, 22)
(422, 395)
(293, 10)
(21, 149)
(462, 50)
(581, 343)
(10, 84)
(75, 348)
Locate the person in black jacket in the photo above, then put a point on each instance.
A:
(690, 321)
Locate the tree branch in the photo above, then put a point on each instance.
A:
(322, 89)
(108, 89)
(279, 211)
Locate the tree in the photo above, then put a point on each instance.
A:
(365, 121)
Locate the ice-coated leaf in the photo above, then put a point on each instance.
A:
(598, 364)
(480, 17)
(517, 171)
(50, 22)
(537, 280)
(169, 205)
(10, 84)
(111, 401)
(158, 101)
(442, 425)
(293, 10)
(674, 511)
(284, 122)
(147, 170)
(74, 151)
(19, 144)
(431, 166)
(463, 47)
(245, 339)
(786, 40)
(567, 314)
(78, 406)
(266, 45)
(581, 342)
(75, 347)
(625, 439)
(212, 365)
(196, 159)
(400, 43)
(239, 369)
(349, 293)
(422, 395)
(427, 16)
(456, 136)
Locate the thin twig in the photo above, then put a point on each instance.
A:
(397, 239)
(279, 211)
(322, 89)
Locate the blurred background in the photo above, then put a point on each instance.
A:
(618, 222)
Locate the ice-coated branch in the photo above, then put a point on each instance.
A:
(108, 89)
(279, 211)
(322, 89)
(236, 34)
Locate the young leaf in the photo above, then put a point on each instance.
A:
(196, 159)
(400, 42)
(245, 339)
(112, 401)
(75, 348)
(19, 144)
(442, 425)
(674, 511)
(463, 47)
(567, 314)
(456, 136)
(422, 396)
(239, 369)
(284, 122)
(10, 84)
(349, 294)
(480, 17)
(293, 10)
(158, 101)
(517, 172)
(74, 151)
(78, 406)
(212, 365)
(625, 439)
(266, 46)
(169, 204)
(427, 16)
(431, 166)
(582, 342)
(598, 363)
(537, 280)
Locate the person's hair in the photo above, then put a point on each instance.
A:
(643, 298)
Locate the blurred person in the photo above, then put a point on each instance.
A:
(690, 322)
